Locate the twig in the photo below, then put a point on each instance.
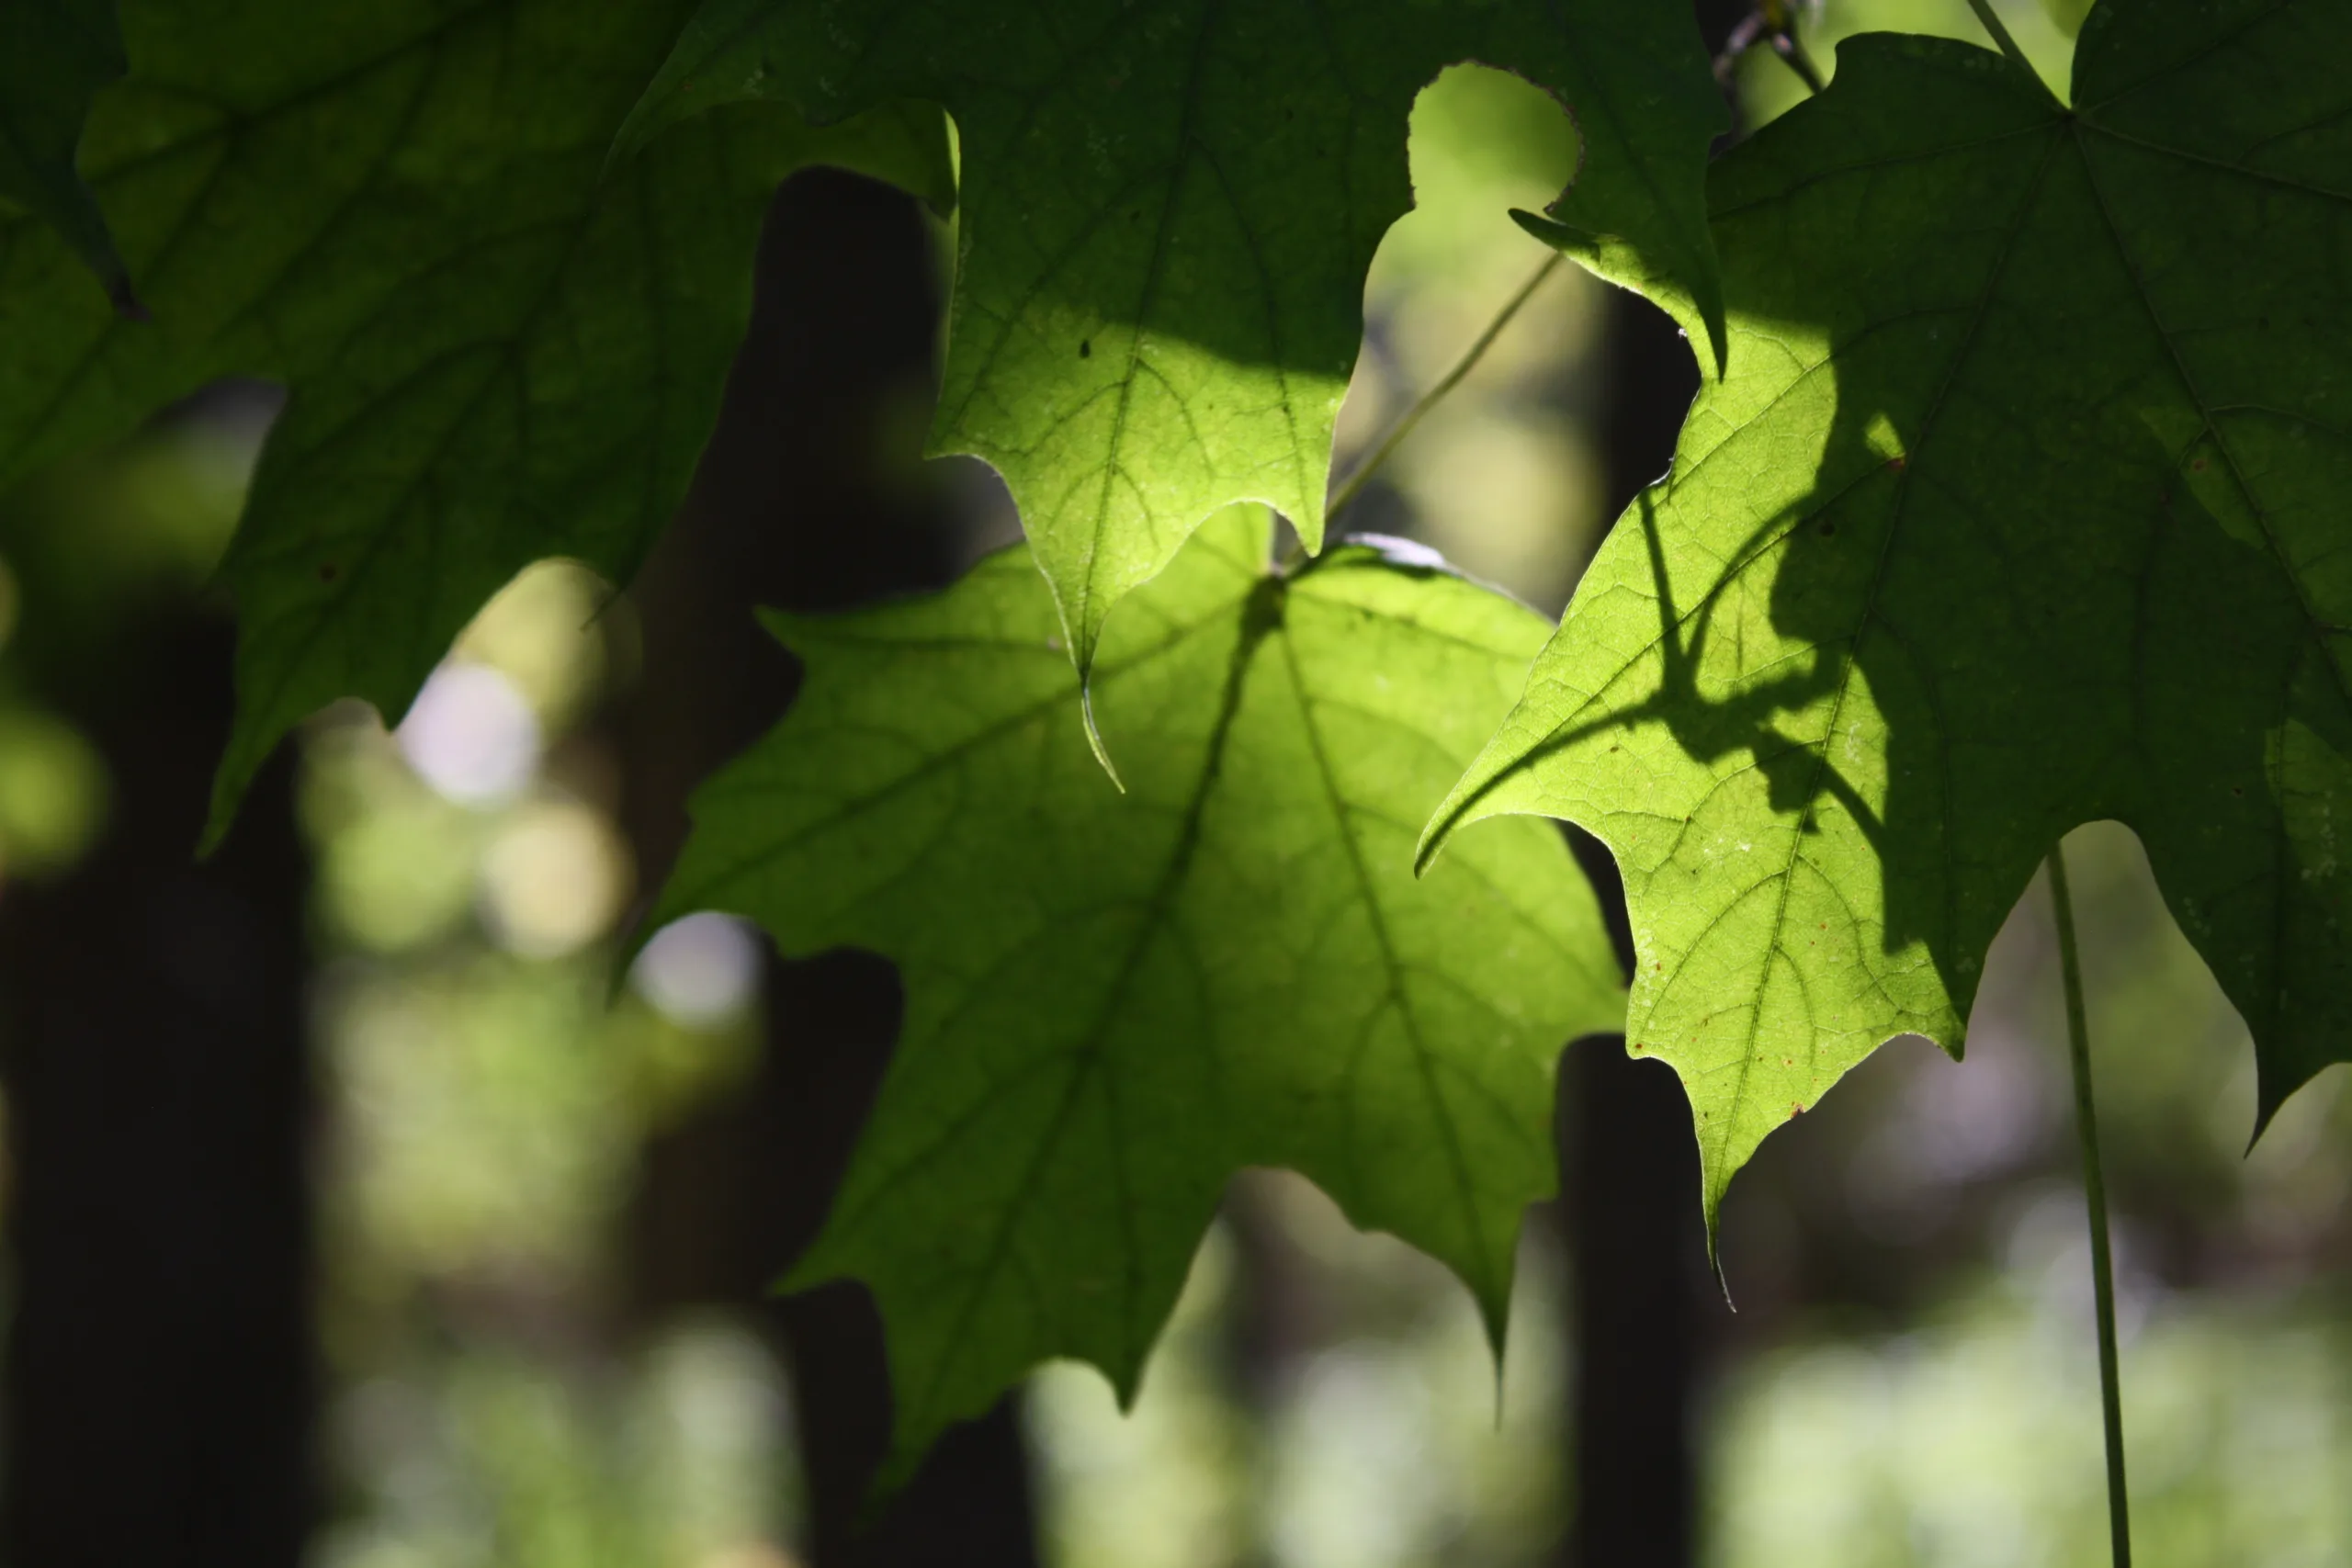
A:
(2079, 1049)
(1785, 45)
(1362, 472)
(1774, 25)
(1993, 25)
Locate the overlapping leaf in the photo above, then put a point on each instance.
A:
(494, 351)
(1167, 207)
(1115, 1000)
(2028, 500)
(54, 56)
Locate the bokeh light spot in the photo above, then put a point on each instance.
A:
(471, 735)
(700, 970)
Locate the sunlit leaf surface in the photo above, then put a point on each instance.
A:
(1167, 213)
(2024, 503)
(1115, 1001)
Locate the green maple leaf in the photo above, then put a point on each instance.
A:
(1115, 1001)
(1167, 207)
(54, 56)
(2024, 503)
(495, 349)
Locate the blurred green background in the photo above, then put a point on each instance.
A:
(1908, 1378)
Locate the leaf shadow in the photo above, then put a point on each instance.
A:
(2013, 636)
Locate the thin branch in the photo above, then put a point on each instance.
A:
(1786, 45)
(1362, 472)
(1778, 27)
(1999, 30)
(2079, 1050)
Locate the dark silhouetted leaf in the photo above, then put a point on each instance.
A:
(496, 351)
(54, 56)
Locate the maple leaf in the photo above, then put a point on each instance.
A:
(495, 350)
(2022, 504)
(1167, 211)
(1115, 1001)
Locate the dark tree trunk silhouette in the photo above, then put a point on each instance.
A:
(1644, 1297)
(1645, 1310)
(799, 505)
(159, 1381)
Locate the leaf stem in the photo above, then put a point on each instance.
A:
(2009, 46)
(1773, 24)
(1362, 472)
(2078, 1050)
(1792, 49)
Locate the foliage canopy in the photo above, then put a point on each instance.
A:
(2014, 500)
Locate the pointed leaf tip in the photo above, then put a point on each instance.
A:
(1094, 734)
